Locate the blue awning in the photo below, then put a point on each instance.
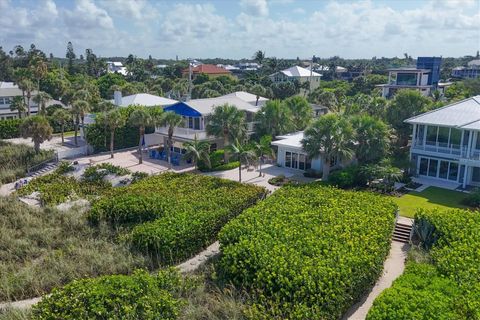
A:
(183, 109)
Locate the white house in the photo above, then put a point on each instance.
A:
(300, 74)
(290, 154)
(116, 67)
(143, 99)
(446, 143)
(196, 114)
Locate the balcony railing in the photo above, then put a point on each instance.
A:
(187, 133)
(455, 149)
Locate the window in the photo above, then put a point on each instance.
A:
(295, 160)
(443, 172)
(432, 168)
(190, 122)
(301, 161)
(196, 123)
(432, 135)
(443, 134)
(455, 138)
(423, 166)
(453, 173)
(476, 174)
(407, 79)
(288, 159)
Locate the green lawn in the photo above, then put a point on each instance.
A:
(430, 198)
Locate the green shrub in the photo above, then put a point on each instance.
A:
(420, 293)
(98, 172)
(308, 251)
(453, 241)
(10, 128)
(227, 166)
(137, 176)
(473, 199)
(185, 212)
(216, 163)
(64, 167)
(139, 296)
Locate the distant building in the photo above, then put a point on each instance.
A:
(471, 71)
(9, 90)
(116, 67)
(424, 77)
(346, 74)
(209, 69)
(299, 74)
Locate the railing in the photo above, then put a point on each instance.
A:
(184, 132)
(43, 164)
(445, 149)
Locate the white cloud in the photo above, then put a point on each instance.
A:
(132, 9)
(255, 7)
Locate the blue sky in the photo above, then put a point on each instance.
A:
(236, 29)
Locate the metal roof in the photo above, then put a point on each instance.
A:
(292, 140)
(145, 99)
(464, 114)
(247, 97)
(206, 106)
(297, 71)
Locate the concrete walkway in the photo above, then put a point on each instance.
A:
(392, 268)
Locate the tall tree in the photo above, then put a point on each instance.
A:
(37, 128)
(41, 99)
(61, 116)
(329, 137)
(259, 56)
(406, 104)
(140, 118)
(71, 57)
(171, 120)
(103, 107)
(259, 91)
(80, 108)
(372, 139)
(197, 150)
(263, 148)
(18, 104)
(274, 118)
(225, 122)
(114, 119)
(27, 86)
(301, 111)
(243, 153)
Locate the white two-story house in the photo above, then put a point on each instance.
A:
(446, 143)
(196, 115)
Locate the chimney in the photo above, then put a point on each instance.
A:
(117, 97)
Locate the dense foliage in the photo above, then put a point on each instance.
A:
(16, 158)
(451, 283)
(46, 248)
(308, 251)
(173, 216)
(10, 128)
(138, 296)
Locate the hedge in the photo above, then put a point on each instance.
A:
(139, 296)
(173, 216)
(308, 251)
(452, 239)
(10, 128)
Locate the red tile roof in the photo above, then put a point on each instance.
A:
(208, 69)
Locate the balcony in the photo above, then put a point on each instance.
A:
(442, 148)
(184, 133)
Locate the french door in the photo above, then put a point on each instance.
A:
(436, 168)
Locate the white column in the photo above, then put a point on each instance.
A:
(465, 175)
(469, 147)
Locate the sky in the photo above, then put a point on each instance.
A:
(236, 29)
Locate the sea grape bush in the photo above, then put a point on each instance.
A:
(138, 296)
(308, 251)
(455, 257)
(173, 216)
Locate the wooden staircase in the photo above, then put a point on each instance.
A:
(402, 232)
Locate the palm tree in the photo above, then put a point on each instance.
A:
(274, 119)
(243, 153)
(61, 116)
(372, 137)
(42, 98)
(104, 107)
(197, 150)
(329, 100)
(76, 121)
(27, 86)
(329, 137)
(140, 118)
(259, 56)
(18, 104)
(225, 122)
(301, 111)
(263, 148)
(114, 119)
(81, 108)
(171, 120)
(259, 91)
(37, 128)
